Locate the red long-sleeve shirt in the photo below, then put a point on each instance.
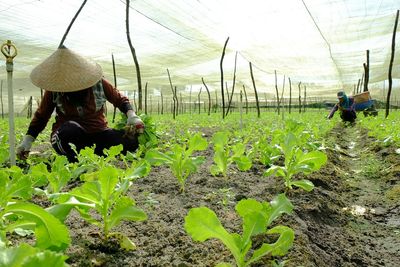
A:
(86, 115)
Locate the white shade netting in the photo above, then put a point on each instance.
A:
(320, 43)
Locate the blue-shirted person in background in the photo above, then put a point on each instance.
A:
(346, 106)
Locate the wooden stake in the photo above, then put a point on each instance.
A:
(133, 51)
(222, 78)
(391, 65)
(255, 90)
(290, 95)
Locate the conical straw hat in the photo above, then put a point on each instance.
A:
(66, 71)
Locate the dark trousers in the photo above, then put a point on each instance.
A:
(72, 133)
(348, 115)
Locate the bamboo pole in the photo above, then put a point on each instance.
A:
(115, 83)
(173, 95)
(255, 90)
(198, 98)
(290, 95)
(305, 99)
(299, 97)
(190, 100)
(133, 51)
(391, 65)
(366, 70)
(277, 92)
(233, 86)
(70, 25)
(162, 103)
(247, 101)
(145, 98)
(222, 78)
(209, 96)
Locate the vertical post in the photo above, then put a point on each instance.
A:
(277, 93)
(255, 90)
(10, 51)
(173, 95)
(209, 96)
(134, 99)
(190, 100)
(145, 98)
(240, 109)
(162, 104)
(222, 78)
(299, 97)
(391, 65)
(115, 84)
(247, 101)
(290, 95)
(198, 98)
(366, 70)
(358, 86)
(1, 99)
(305, 98)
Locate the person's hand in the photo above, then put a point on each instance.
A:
(134, 122)
(24, 147)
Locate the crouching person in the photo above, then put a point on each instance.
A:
(75, 89)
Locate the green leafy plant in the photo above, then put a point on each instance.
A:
(202, 224)
(62, 172)
(297, 161)
(149, 138)
(265, 152)
(4, 149)
(225, 155)
(106, 196)
(26, 256)
(16, 214)
(180, 158)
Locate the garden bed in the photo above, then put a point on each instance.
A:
(349, 219)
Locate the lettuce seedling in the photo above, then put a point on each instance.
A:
(106, 196)
(26, 256)
(297, 161)
(225, 155)
(16, 214)
(180, 158)
(202, 224)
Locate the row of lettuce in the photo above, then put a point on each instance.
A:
(285, 147)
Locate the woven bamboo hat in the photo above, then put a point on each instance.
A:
(66, 71)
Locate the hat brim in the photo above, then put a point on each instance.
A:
(66, 71)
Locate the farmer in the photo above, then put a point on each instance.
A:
(346, 107)
(75, 88)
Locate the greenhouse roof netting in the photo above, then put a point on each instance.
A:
(320, 43)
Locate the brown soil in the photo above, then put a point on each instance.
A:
(326, 231)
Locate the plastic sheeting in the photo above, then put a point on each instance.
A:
(320, 43)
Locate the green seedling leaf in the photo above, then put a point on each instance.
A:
(49, 231)
(202, 224)
(197, 143)
(27, 256)
(279, 205)
(61, 211)
(311, 161)
(279, 248)
(243, 162)
(275, 170)
(156, 158)
(141, 170)
(125, 209)
(305, 184)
